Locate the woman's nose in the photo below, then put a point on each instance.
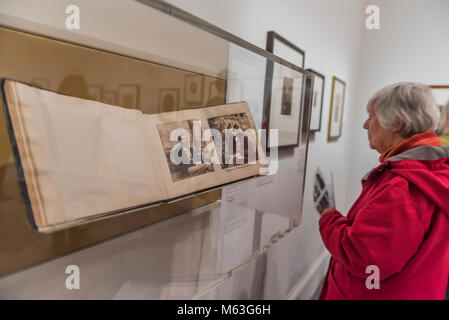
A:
(365, 125)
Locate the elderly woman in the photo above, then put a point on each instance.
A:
(394, 242)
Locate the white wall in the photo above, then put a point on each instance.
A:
(411, 45)
(127, 27)
(330, 33)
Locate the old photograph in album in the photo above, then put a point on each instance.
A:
(233, 121)
(223, 160)
(81, 160)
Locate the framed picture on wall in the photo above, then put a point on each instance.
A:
(285, 49)
(129, 95)
(336, 108)
(317, 101)
(283, 92)
(168, 100)
(307, 108)
(193, 89)
(441, 94)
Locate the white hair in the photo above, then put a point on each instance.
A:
(413, 103)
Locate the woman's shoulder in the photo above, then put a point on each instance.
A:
(428, 179)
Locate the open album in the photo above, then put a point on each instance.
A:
(81, 160)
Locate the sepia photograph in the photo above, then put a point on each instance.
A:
(232, 122)
(185, 149)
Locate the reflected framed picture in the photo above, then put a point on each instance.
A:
(336, 108)
(110, 97)
(95, 92)
(317, 101)
(129, 95)
(213, 90)
(283, 92)
(168, 100)
(441, 94)
(217, 93)
(193, 89)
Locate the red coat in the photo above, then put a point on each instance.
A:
(399, 224)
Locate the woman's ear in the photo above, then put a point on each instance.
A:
(398, 126)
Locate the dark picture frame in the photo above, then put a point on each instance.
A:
(336, 109)
(275, 43)
(317, 107)
(273, 37)
(307, 107)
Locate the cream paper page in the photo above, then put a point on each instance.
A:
(181, 179)
(89, 158)
(22, 144)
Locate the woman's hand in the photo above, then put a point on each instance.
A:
(328, 210)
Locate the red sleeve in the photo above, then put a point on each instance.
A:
(386, 232)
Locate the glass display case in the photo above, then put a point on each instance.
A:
(174, 61)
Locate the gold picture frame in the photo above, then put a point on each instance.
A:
(336, 109)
